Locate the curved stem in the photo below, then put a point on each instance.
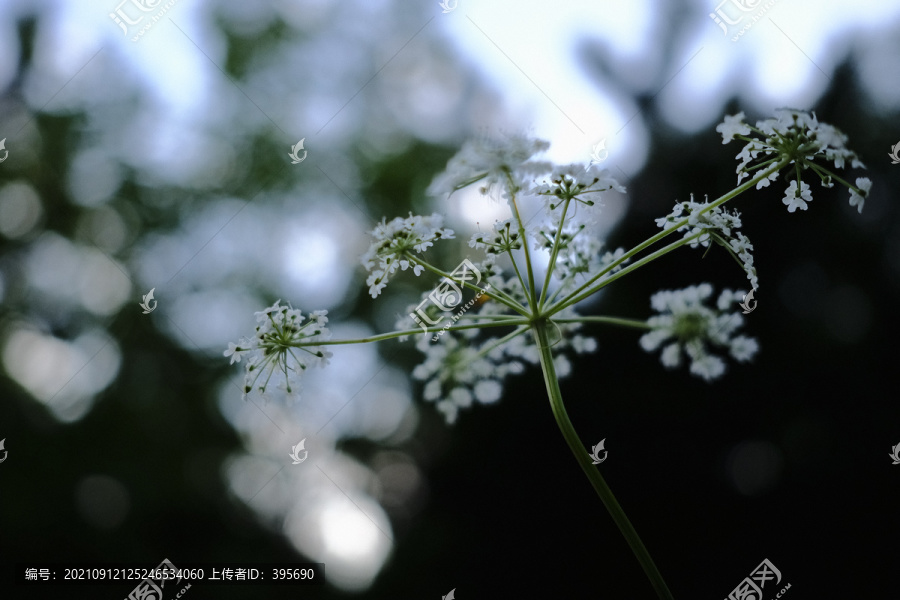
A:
(539, 329)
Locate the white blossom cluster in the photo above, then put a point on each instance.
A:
(687, 327)
(284, 343)
(799, 136)
(578, 250)
(572, 182)
(713, 223)
(492, 163)
(459, 372)
(505, 238)
(394, 243)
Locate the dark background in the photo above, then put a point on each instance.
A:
(506, 511)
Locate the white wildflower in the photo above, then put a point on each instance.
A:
(798, 138)
(688, 327)
(571, 182)
(795, 198)
(490, 162)
(394, 244)
(732, 126)
(858, 198)
(284, 343)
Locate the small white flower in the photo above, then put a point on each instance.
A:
(732, 126)
(488, 391)
(795, 199)
(858, 199)
(743, 348)
(235, 351)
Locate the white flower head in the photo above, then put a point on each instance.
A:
(284, 343)
(572, 182)
(794, 139)
(395, 244)
(490, 162)
(689, 328)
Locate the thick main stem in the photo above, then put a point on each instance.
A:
(539, 329)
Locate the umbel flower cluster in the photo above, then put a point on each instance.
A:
(512, 301)
(513, 319)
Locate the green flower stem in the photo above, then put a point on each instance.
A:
(819, 170)
(515, 266)
(494, 293)
(539, 330)
(500, 341)
(569, 300)
(635, 323)
(652, 240)
(396, 334)
(530, 291)
(554, 253)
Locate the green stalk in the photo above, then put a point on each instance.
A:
(652, 240)
(539, 329)
(408, 332)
